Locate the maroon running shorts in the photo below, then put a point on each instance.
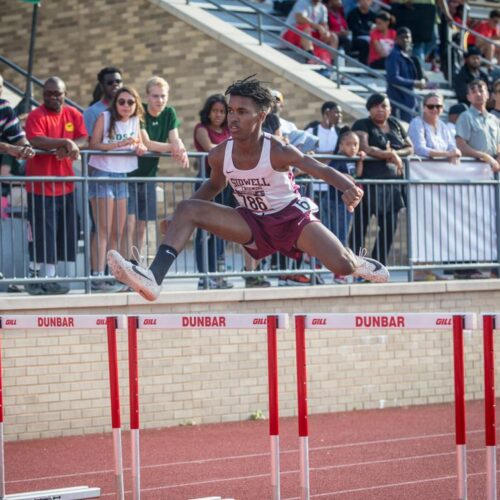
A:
(278, 232)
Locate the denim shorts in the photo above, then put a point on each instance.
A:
(142, 200)
(107, 189)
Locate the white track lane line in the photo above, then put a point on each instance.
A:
(318, 495)
(256, 455)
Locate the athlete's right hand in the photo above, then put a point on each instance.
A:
(352, 197)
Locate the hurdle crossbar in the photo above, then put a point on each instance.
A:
(456, 322)
(67, 322)
(209, 322)
(490, 322)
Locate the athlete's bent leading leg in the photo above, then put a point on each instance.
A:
(318, 241)
(224, 222)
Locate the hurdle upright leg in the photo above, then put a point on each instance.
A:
(133, 363)
(114, 388)
(489, 407)
(459, 372)
(272, 369)
(300, 346)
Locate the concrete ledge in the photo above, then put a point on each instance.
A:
(118, 301)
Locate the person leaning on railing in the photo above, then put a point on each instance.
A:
(161, 125)
(51, 205)
(384, 138)
(13, 140)
(433, 139)
(478, 132)
(430, 136)
(478, 136)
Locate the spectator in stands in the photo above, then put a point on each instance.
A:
(338, 24)
(51, 206)
(490, 29)
(13, 140)
(109, 81)
(360, 21)
(301, 139)
(340, 217)
(453, 113)
(118, 128)
(470, 71)
(478, 132)
(430, 136)
(478, 136)
(420, 17)
(311, 17)
(210, 131)
(403, 70)
(382, 39)
(496, 99)
(327, 132)
(382, 137)
(161, 125)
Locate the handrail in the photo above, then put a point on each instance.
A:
(35, 80)
(19, 92)
(335, 52)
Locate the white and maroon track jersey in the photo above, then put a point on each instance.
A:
(261, 189)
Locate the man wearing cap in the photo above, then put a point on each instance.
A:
(470, 71)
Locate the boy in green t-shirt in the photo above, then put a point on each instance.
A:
(161, 124)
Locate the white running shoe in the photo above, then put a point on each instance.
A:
(369, 269)
(138, 278)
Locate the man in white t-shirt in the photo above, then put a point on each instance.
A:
(327, 132)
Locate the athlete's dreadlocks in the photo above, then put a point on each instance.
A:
(253, 88)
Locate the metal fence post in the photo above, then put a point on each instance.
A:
(87, 252)
(408, 218)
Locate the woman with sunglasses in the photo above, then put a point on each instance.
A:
(116, 129)
(430, 136)
(433, 139)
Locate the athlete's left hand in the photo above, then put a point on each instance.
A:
(351, 197)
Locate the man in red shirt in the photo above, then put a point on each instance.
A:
(51, 207)
(490, 29)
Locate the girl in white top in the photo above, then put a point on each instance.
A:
(118, 128)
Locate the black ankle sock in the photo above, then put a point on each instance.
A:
(165, 256)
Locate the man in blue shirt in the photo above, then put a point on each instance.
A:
(403, 71)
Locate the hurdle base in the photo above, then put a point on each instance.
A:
(73, 493)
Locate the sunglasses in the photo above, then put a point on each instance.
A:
(112, 82)
(122, 102)
(434, 106)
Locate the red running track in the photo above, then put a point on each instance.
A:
(400, 453)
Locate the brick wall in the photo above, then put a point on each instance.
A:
(142, 39)
(55, 382)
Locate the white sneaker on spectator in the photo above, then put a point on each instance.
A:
(369, 269)
(138, 278)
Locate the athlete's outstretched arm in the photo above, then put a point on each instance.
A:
(289, 155)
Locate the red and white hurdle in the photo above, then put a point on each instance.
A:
(85, 322)
(491, 322)
(408, 321)
(208, 322)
